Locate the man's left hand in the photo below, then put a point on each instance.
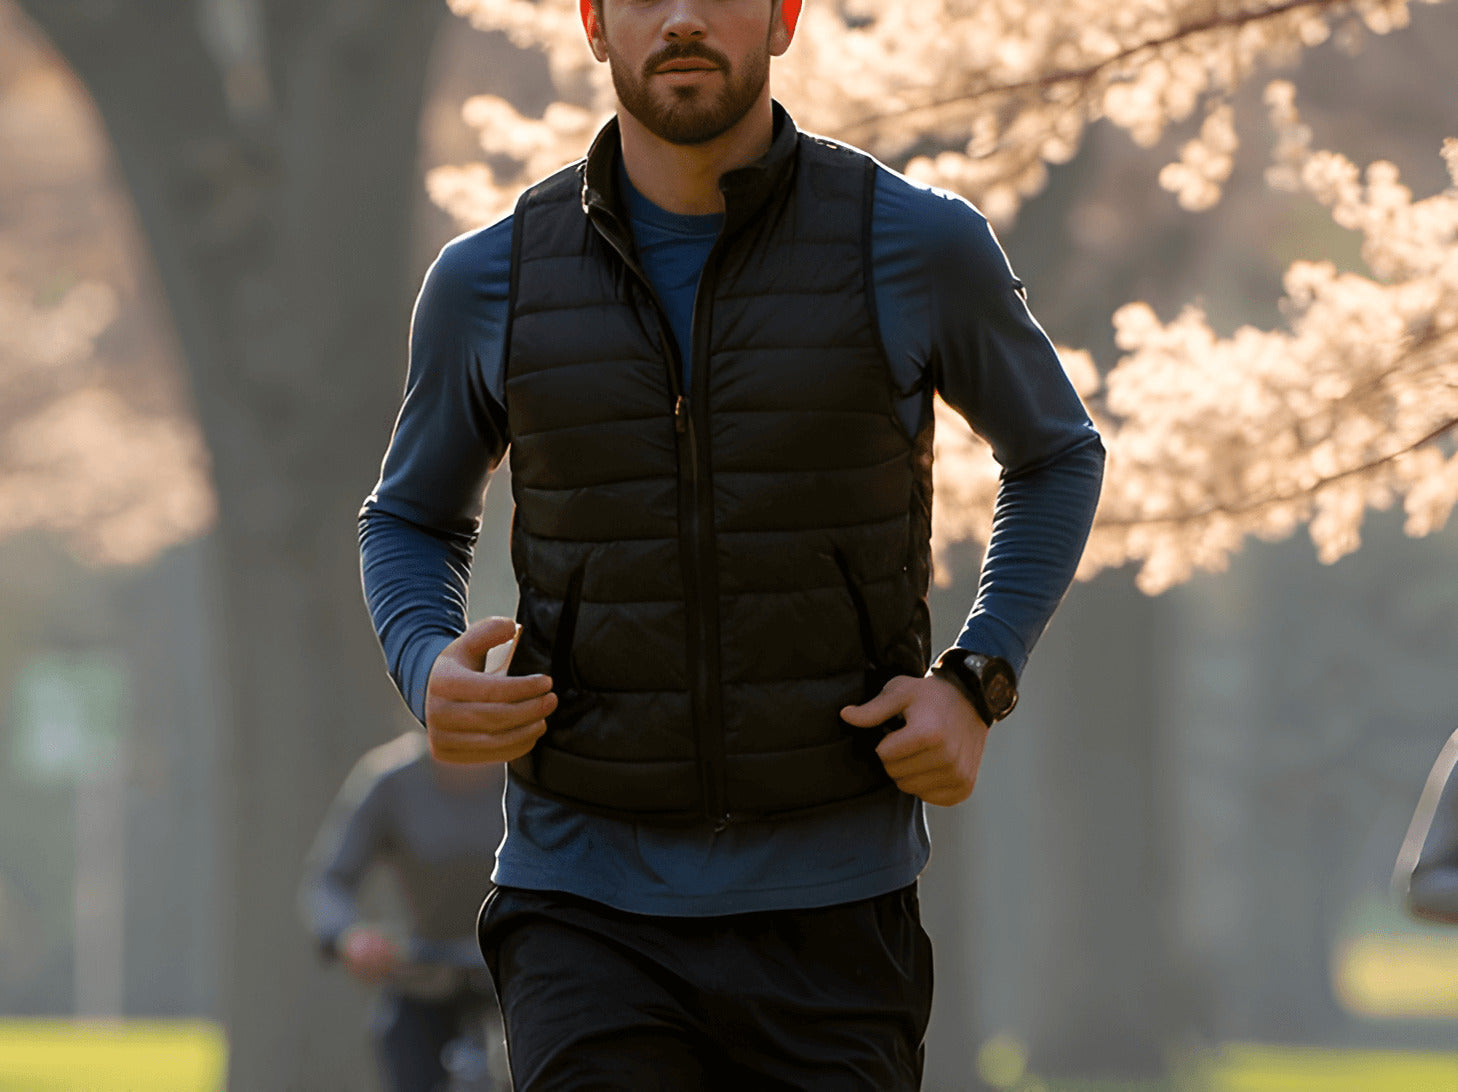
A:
(937, 754)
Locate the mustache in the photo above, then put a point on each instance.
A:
(683, 51)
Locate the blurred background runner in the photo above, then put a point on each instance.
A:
(435, 830)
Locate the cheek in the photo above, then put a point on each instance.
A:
(740, 46)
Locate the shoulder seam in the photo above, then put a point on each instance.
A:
(569, 178)
(830, 148)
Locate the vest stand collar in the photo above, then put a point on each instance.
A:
(746, 190)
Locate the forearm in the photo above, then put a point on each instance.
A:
(415, 585)
(418, 527)
(1040, 526)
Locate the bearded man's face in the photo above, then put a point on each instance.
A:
(688, 70)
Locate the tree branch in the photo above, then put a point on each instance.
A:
(1088, 72)
(1246, 507)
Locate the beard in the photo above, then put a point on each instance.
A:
(689, 115)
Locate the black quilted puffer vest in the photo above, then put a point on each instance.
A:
(710, 575)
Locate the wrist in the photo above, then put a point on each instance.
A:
(426, 657)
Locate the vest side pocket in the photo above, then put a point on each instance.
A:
(877, 674)
(533, 653)
(572, 700)
(563, 670)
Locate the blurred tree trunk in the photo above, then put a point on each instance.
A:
(1099, 1003)
(948, 895)
(275, 181)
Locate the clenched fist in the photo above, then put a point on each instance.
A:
(476, 714)
(937, 755)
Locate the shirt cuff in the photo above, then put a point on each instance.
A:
(422, 658)
(986, 635)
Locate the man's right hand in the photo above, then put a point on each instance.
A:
(474, 714)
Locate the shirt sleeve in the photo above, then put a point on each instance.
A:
(953, 313)
(418, 527)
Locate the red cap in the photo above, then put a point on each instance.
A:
(790, 9)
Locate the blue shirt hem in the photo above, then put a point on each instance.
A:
(793, 896)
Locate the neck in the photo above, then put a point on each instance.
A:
(684, 178)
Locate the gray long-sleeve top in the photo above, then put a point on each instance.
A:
(436, 827)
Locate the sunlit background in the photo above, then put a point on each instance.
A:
(1176, 870)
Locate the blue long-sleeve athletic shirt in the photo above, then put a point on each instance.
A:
(950, 311)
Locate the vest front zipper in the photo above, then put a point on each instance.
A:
(700, 577)
(696, 531)
(709, 674)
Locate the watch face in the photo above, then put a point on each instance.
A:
(988, 682)
(999, 690)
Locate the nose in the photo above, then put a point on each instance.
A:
(685, 21)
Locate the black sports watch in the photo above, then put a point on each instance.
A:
(989, 682)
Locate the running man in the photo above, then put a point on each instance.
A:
(711, 348)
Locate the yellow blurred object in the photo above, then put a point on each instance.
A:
(191, 1056)
(120, 1056)
(1252, 1068)
(1396, 977)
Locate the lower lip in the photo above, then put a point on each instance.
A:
(678, 76)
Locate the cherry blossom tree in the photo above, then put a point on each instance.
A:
(96, 441)
(117, 482)
(1212, 439)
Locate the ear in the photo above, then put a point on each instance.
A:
(783, 32)
(594, 31)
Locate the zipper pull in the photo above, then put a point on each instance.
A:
(681, 415)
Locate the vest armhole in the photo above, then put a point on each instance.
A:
(518, 230)
(868, 265)
(868, 250)
(528, 197)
